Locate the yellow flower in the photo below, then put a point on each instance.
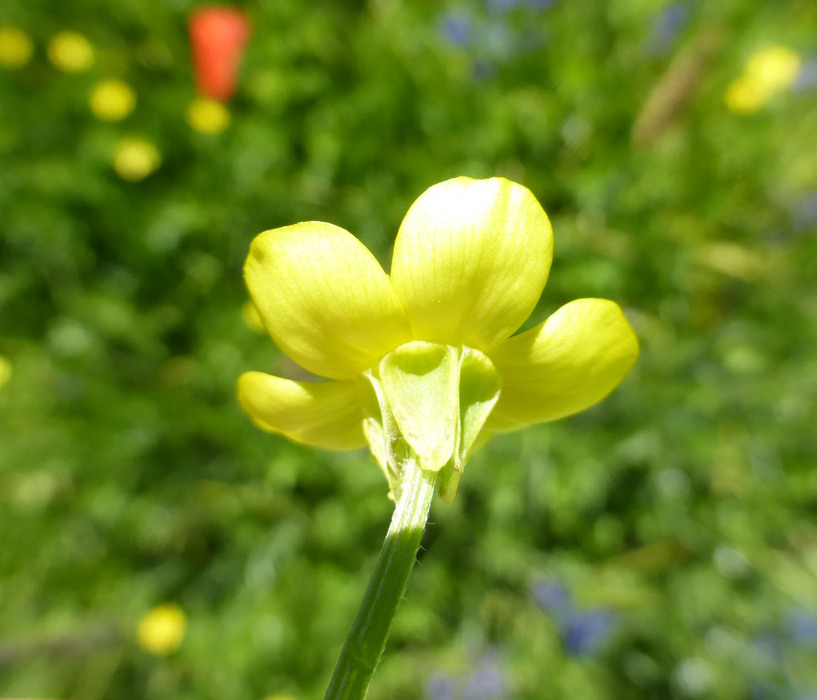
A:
(773, 69)
(112, 100)
(71, 52)
(135, 158)
(742, 98)
(251, 318)
(15, 47)
(768, 72)
(162, 629)
(208, 116)
(5, 371)
(470, 261)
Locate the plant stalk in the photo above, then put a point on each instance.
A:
(364, 646)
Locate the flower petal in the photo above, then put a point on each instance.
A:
(321, 414)
(564, 365)
(324, 298)
(470, 261)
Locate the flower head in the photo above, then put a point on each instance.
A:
(135, 158)
(585, 632)
(218, 36)
(208, 116)
(71, 52)
(112, 100)
(422, 360)
(162, 629)
(768, 72)
(15, 47)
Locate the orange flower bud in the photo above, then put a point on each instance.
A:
(218, 36)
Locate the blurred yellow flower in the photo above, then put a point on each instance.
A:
(135, 158)
(768, 72)
(5, 371)
(208, 116)
(15, 47)
(71, 52)
(742, 98)
(773, 68)
(112, 100)
(162, 629)
(280, 696)
(251, 318)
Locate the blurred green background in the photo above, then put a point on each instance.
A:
(661, 545)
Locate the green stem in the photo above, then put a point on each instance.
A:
(367, 638)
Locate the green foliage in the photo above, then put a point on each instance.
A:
(682, 505)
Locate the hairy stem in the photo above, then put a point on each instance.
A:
(367, 638)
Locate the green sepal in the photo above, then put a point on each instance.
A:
(478, 393)
(385, 442)
(421, 384)
(428, 402)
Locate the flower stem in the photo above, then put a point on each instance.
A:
(367, 638)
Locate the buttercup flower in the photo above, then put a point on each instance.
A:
(162, 629)
(112, 100)
(71, 52)
(208, 116)
(135, 158)
(249, 314)
(768, 72)
(15, 47)
(422, 360)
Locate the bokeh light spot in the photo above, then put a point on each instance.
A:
(112, 100)
(15, 47)
(71, 52)
(162, 629)
(208, 116)
(135, 158)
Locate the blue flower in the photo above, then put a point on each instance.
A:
(442, 687)
(585, 632)
(457, 28)
(508, 5)
(552, 596)
(807, 77)
(666, 27)
(488, 682)
(804, 212)
(802, 626)
(503, 5)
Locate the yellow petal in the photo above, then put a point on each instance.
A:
(564, 365)
(470, 261)
(324, 298)
(321, 414)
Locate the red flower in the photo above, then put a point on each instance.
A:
(218, 36)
